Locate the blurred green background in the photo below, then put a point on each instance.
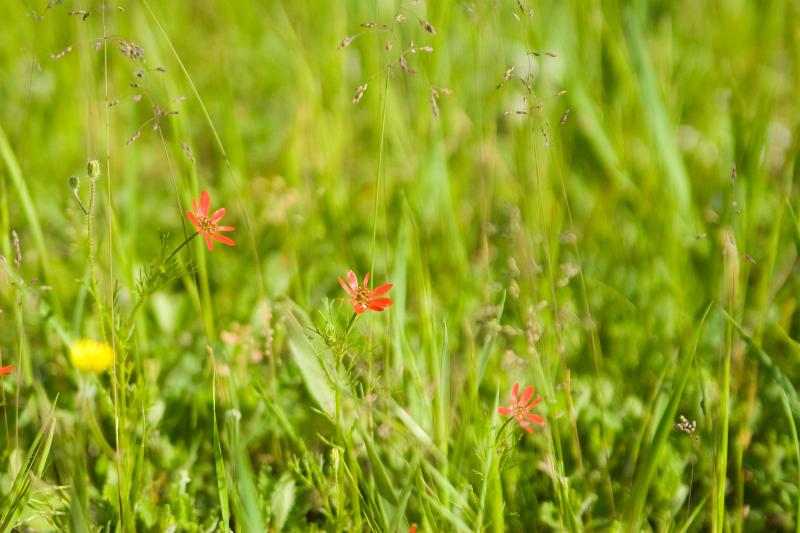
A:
(565, 224)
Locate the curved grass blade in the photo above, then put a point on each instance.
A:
(766, 361)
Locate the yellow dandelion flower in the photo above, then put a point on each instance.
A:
(91, 356)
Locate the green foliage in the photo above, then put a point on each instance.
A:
(595, 198)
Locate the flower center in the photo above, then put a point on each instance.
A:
(206, 224)
(362, 296)
(517, 408)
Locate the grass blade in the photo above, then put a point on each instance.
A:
(219, 462)
(34, 464)
(769, 364)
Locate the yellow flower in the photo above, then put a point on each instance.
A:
(91, 356)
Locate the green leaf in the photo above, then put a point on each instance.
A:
(283, 496)
(309, 362)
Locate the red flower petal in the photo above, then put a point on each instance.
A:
(504, 411)
(525, 426)
(351, 278)
(358, 308)
(526, 395)
(379, 304)
(224, 228)
(536, 419)
(205, 203)
(5, 370)
(218, 214)
(209, 242)
(382, 289)
(534, 402)
(347, 289)
(366, 280)
(223, 239)
(193, 219)
(515, 391)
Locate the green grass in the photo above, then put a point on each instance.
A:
(577, 226)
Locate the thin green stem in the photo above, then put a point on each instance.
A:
(350, 324)
(181, 245)
(502, 428)
(91, 257)
(79, 202)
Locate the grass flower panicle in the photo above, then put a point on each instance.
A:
(91, 356)
(520, 407)
(362, 297)
(207, 225)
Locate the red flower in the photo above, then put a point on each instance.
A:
(5, 370)
(520, 405)
(207, 225)
(363, 298)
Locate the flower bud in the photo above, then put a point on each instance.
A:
(93, 168)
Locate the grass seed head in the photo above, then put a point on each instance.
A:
(131, 50)
(134, 137)
(428, 26)
(17, 249)
(346, 42)
(62, 53)
(360, 90)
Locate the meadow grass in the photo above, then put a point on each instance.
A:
(593, 198)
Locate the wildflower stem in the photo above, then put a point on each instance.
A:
(181, 245)
(91, 252)
(79, 202)
(350, 324)
(502, 428)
